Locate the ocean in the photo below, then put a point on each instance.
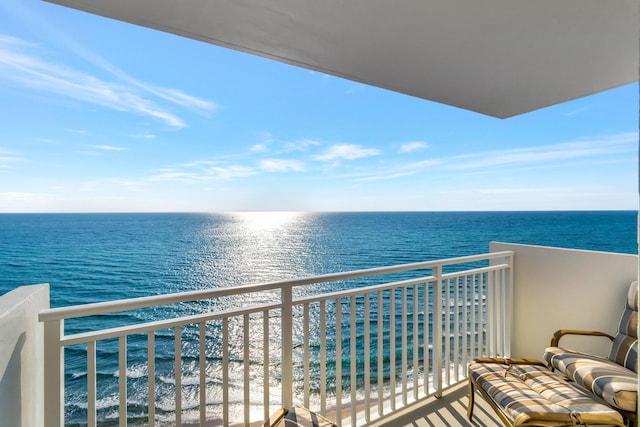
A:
(99, 257)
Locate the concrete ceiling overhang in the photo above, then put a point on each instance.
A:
(497, 57)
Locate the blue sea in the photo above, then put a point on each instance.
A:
(99, 257)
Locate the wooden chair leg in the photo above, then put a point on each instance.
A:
(471, 400)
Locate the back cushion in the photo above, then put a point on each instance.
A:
(624, 350)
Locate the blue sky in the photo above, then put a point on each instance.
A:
(104, 116)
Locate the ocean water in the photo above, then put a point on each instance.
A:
(99, 257)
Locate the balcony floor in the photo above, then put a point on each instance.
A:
(449, 410)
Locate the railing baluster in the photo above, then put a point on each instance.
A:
(367, 357)
(225, 371)
(499, 312)
(178, 375)
(339, 362)
(246, 370)
(437, 330)
(323, 357)
(403, 352)
(491, 341)
(203, 373)
(504, 317)
(485, 314)
(426, 327)
(456, 327)
(465, 319)
(307, 356)
(287, 346)
(122, 380)
(447, 331)
(151, 377)
(91, 384)
(474, 322)
(380, 354)
(353, 362)
(416, 339)
(392, 347)
(265, 366)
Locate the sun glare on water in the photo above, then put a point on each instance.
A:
(267, 221)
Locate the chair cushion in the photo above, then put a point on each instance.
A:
(624, 350)
(613, 383)
(532, 395)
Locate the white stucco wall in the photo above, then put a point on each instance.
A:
(557, 288)
(21, 356)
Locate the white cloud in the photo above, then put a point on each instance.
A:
(281, 165)
(21, 65)
(413, 146)
(267, 140)
(258, 148)
(346, 151)
(229, 172)
(146, 135)
(384, 177)
(422, 164)
(7, 158)
(109, 148)
(302, 145)
(203, 171)
(16, 201)
(611, 145)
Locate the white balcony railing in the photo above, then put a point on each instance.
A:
(355, 346)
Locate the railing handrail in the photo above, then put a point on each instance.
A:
(204, 317)
(92, 309)
(120, 331)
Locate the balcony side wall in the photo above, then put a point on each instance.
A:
(21, 356)
(556, 288)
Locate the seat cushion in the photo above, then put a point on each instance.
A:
(530, 394)
(613, 383)
(624, 350)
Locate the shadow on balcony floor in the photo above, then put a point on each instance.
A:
(449, 410)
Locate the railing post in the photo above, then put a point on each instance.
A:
(437, 330)
(287, 347)
(509, 302)
(53, 374)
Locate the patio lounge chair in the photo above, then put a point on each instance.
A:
(613, 379)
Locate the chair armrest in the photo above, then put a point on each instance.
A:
(555, 340)
(276, 417)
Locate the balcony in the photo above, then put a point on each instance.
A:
(385, 346)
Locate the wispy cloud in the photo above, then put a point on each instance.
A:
(200, 172)
(347, 152)
(24, 64)
(612, 145)
(126, 183)
(384, 177)
(301, 145)
(7, 158)
(267, 140)
(413, 146)
(281, 165)
(145, 135)
(109, 148)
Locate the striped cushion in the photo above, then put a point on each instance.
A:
(530, 394)
(615, 384)
(302, 417)
(624, 350)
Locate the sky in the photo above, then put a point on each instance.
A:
(103, 116)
